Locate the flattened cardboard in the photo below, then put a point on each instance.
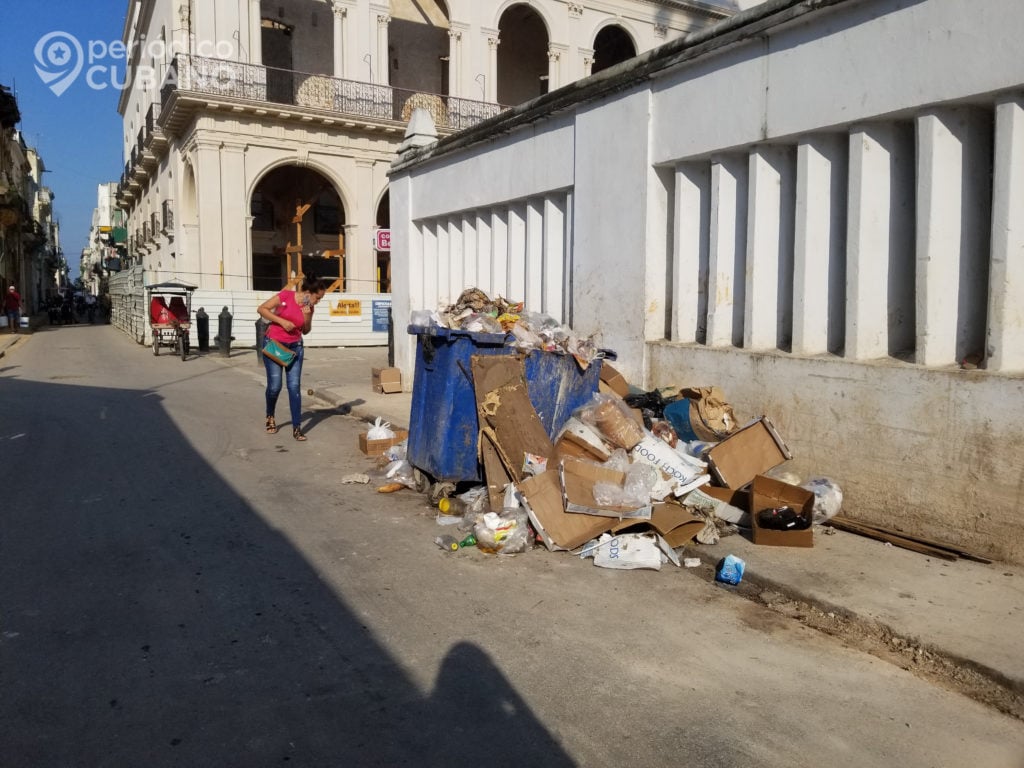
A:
(676, 524)
(541, 495)
(503, 405)
(767, 492)
(751, 451)
(578, 478)
(377, 447)
(496, 474)
(386, 380)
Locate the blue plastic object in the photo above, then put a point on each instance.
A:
(730, 570)
(443, 424)
(678, 415)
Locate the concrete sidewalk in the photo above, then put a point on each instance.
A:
(969, 616)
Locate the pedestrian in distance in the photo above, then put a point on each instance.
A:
(290, 314)
(12, 308)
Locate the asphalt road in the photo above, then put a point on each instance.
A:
(178, 588)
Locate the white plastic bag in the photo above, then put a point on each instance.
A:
(381, 430)
(828, 498)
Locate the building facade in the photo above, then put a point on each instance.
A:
(258, 135)
(30, 252)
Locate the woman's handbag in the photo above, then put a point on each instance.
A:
(279, 353)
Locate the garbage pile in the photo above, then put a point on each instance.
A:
(628, 478)
(475, 312)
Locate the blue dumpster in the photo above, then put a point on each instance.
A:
(443, 424)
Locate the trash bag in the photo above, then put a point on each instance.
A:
(504, 533)
(381, 430)
(828, 498)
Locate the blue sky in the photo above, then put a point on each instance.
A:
(77, 133)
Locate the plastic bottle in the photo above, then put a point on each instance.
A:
(447, 506)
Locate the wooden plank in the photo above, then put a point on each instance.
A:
(921, 540)
(897, 541)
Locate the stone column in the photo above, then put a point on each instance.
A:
(383, 57)
(454, 62)
(554, 57)
(1005, 344)
(339, 13)
(255, 33)
(588, 61)
(492, 68)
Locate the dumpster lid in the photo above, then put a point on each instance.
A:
(437, 330)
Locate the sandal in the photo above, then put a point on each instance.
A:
(271, 426)
(297, 434)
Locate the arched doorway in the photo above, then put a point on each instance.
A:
(522, 55)
(282, 249)
(612, 46)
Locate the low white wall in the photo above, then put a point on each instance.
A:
(936, 452)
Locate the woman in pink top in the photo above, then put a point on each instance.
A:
(290, 314)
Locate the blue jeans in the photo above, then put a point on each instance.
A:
(293, 376)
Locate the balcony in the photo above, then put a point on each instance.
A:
(154, 139)
(194, 82)
(167, 211)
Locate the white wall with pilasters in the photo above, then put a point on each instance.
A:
(780, 214)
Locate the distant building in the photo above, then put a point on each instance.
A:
(29, 237)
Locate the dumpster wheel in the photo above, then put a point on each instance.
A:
(440, 491)
(421, 480)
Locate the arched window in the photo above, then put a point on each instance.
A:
(262, 211)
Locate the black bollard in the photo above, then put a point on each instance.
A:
(261, 336)
(203, 330)
(224, 337)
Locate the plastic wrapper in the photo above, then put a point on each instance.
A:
(401, 472)
(610, 417)
(730, 570)
(504, 533)
(828, 498)
(478, 323)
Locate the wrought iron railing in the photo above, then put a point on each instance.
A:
(250, 82)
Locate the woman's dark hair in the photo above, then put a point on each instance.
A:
(313, 284)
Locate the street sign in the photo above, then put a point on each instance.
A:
(382, 239)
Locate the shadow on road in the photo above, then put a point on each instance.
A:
(150, 617)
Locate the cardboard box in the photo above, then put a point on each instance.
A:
(541, 495)
(377, 447)
(386, 380)
(578, 478)
(767, 492)
(613, 381)
(743, 455)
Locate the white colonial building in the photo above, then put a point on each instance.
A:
(258, 134)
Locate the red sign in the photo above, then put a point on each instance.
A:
(382, 239)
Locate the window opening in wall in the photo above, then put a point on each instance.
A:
(612, 46)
